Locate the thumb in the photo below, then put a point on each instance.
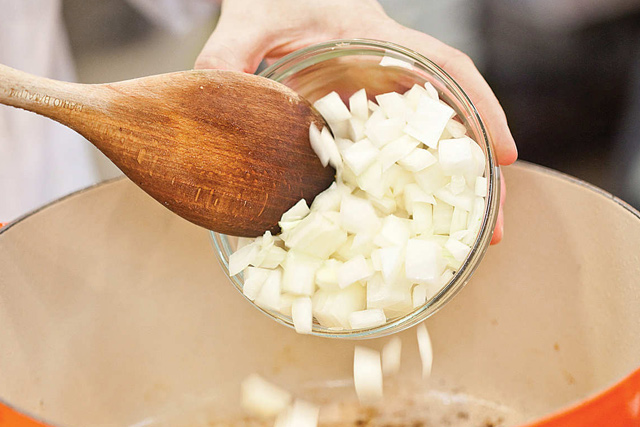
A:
(230, 50)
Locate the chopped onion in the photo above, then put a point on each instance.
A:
(417, 160)
(413, 95)
(422, 218)
(300, 414)
(358, 215)
(242, 258)
(425, 349)
(423, 261)
(431, 91)
(254, 278)
(299, 273)
(458, 249)
(391, 353)
(269, 295)
(419, 295)
(327, 274)
(332, 108)
(262, 398)
(455, 156)
(396, 150)
(394, 232)
(393, 104)
(359, 106)
(367, 318)
(367, 375)
(360, 156)
(429, 121)
(388, 235)
(353, 270)
(301, 315)
(456, 129)
(356, 129)
(481, 186)
(381, 131)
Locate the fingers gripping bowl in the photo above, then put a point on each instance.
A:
(347, 66)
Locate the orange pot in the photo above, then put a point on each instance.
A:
(113, 311)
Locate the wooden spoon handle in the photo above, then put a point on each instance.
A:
(61, 101)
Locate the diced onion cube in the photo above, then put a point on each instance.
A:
(413, 95)
(419, 295)
(242, 258)
(422, 218)
(431, 91)
(456, 129)
(393, 104)
(357, 268)
(299, 273)
(481, 186)
(300, 414)
(356, 129)
(359, 105)
(358, 215)
(417, 160)
(360, 156)
(390, 261)
(371, 180)
(423, 261)
(367, 318)
(297, 211)
(286, 301)
(316, 235)
(381, 132)
(428, 122)
(458, 249)
(414, 194)
(301, 315)
(431, 179)
(327, 274)
(325, 147)
(425, 349)
(458, 220)
(396, 150)
(262, 398)
(254, 278)
(332, 108)
(367, 375)
(269, 295)
(457, 185)
(442, 215)
(455, 156)
(391, 353)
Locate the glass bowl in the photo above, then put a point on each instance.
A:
(346, 66)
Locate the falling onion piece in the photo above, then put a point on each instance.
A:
(391, 353)
(425, 349)
(367, 375)
(262, 398)
(300, 414)
(302, 315)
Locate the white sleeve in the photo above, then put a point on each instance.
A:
(177, 16)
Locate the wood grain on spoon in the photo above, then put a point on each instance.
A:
(227, 151)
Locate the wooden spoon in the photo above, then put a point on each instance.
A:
(225, 150)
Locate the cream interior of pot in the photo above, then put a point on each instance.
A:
(113, 311)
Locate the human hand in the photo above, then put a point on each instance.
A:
(250, 31)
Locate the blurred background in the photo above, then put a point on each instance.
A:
(567, 72)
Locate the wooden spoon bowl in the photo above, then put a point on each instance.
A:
(225, 150)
